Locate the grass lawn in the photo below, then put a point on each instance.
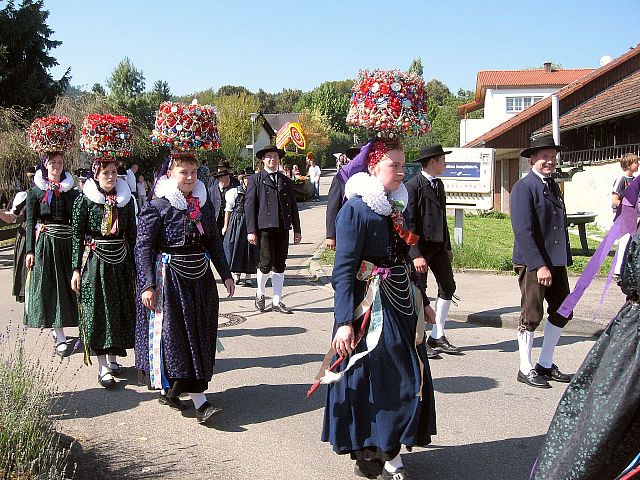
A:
(488, 244)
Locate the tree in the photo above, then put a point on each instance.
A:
(329, 100)
(232, 90)
(317, 132)
(416, 67)
(126, 93)
(266, 101)
(161, 92)
(285, 101)
(98, 89)
(437, 91)
(235, 123)
(25, 61)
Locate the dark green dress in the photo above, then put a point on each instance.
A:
(50, 302)
(107, 292)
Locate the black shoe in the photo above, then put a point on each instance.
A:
(247, 283)
(368, 468)
(281, 308)
(205, 412)
(260, 302)
(106, 382)
(400, 474)
(432, 354)
(172, 402)
(62, 352)
(238, 282)
(553, 373)
(443, 345)
(115, 368)
(533, 379)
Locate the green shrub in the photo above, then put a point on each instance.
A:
(30, 447)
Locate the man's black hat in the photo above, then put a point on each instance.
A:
(271, 148)
(353, 151)
(540, 144)
(224, 164)
(431, 151)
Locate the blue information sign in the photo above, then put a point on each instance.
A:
(462, 171)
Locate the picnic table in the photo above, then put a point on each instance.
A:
(580, 220)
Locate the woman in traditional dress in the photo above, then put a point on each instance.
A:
(384, 398)
(16, 213)
(595, 432)
(177, 326)
(104, 234)
(50, 302)
(241, 255)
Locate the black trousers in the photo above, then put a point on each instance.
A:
(274, 248)
(437, 257)
(533, 296)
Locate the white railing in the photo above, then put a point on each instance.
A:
(598, 155)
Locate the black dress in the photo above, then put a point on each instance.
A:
(595, 432)
(19, 271)
(241, 255)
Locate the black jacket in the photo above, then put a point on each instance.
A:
(264, 199)
(426, 215)
(334, 204)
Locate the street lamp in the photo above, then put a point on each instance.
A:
(253, 117)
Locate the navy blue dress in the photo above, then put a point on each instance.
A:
(376, 407)
(190, 305)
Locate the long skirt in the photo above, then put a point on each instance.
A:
(189, 331)
(108, 309)
(386, 400)
(241, 255)
(19, 270)
(50, 301)
(595, 432)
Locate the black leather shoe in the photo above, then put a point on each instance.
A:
(260, 302)
(533, 379)
(432, 353)
(400, 474)
(281, 308)
(553, 373)
(247, 283)
(172, 402)
(205, 412)
(443, 345)
(115, 368)
(106, 380)
(368, 468)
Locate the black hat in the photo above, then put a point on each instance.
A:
(540, 144)
(353, 151)
(271, 148)
(249, 171)
(431, 151)
(223, 164)
(223, 173)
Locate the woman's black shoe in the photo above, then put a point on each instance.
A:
(106, 382)
(172, 402)
(115, 368)
(368, 468)
(205, 412)
(400, 474)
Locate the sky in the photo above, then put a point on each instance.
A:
(195, 45)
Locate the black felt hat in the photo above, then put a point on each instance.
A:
(431, 151)
(540, 144)
(271, 148)
(353, 151)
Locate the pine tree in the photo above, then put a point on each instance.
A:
(25, 61)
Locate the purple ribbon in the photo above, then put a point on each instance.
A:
(357, 165)
(625, 223)
(382, 272)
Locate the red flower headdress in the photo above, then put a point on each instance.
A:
(51, 134)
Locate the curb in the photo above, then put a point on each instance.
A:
(490, 318)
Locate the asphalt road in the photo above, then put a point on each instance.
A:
(489, 426)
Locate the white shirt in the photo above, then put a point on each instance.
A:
(230, 199)
(314, 173)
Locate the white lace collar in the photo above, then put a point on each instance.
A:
(372, 192)
(65, 185)
(123, 192)
(168, 188)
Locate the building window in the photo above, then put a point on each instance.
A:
(517, 104)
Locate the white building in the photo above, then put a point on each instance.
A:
(505, 93)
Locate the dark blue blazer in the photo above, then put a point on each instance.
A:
(263, 199)
(334, 204)
(539, 222)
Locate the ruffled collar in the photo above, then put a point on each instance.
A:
(168, 188)
(372, 192)
(123, 192)
(43, 184)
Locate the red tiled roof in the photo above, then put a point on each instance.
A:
(545, 103)
(519, 78)
(619, 99)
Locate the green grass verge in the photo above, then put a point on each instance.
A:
(488, 244)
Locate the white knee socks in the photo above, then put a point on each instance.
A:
(394, 464)
(60, 339)
(102, 365)
(551, 336)
(262, 282)
(198, 399)
(277, 280)
(442, 309)
(525, 344)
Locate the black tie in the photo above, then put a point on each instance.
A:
(273, 178)
(552, 186)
